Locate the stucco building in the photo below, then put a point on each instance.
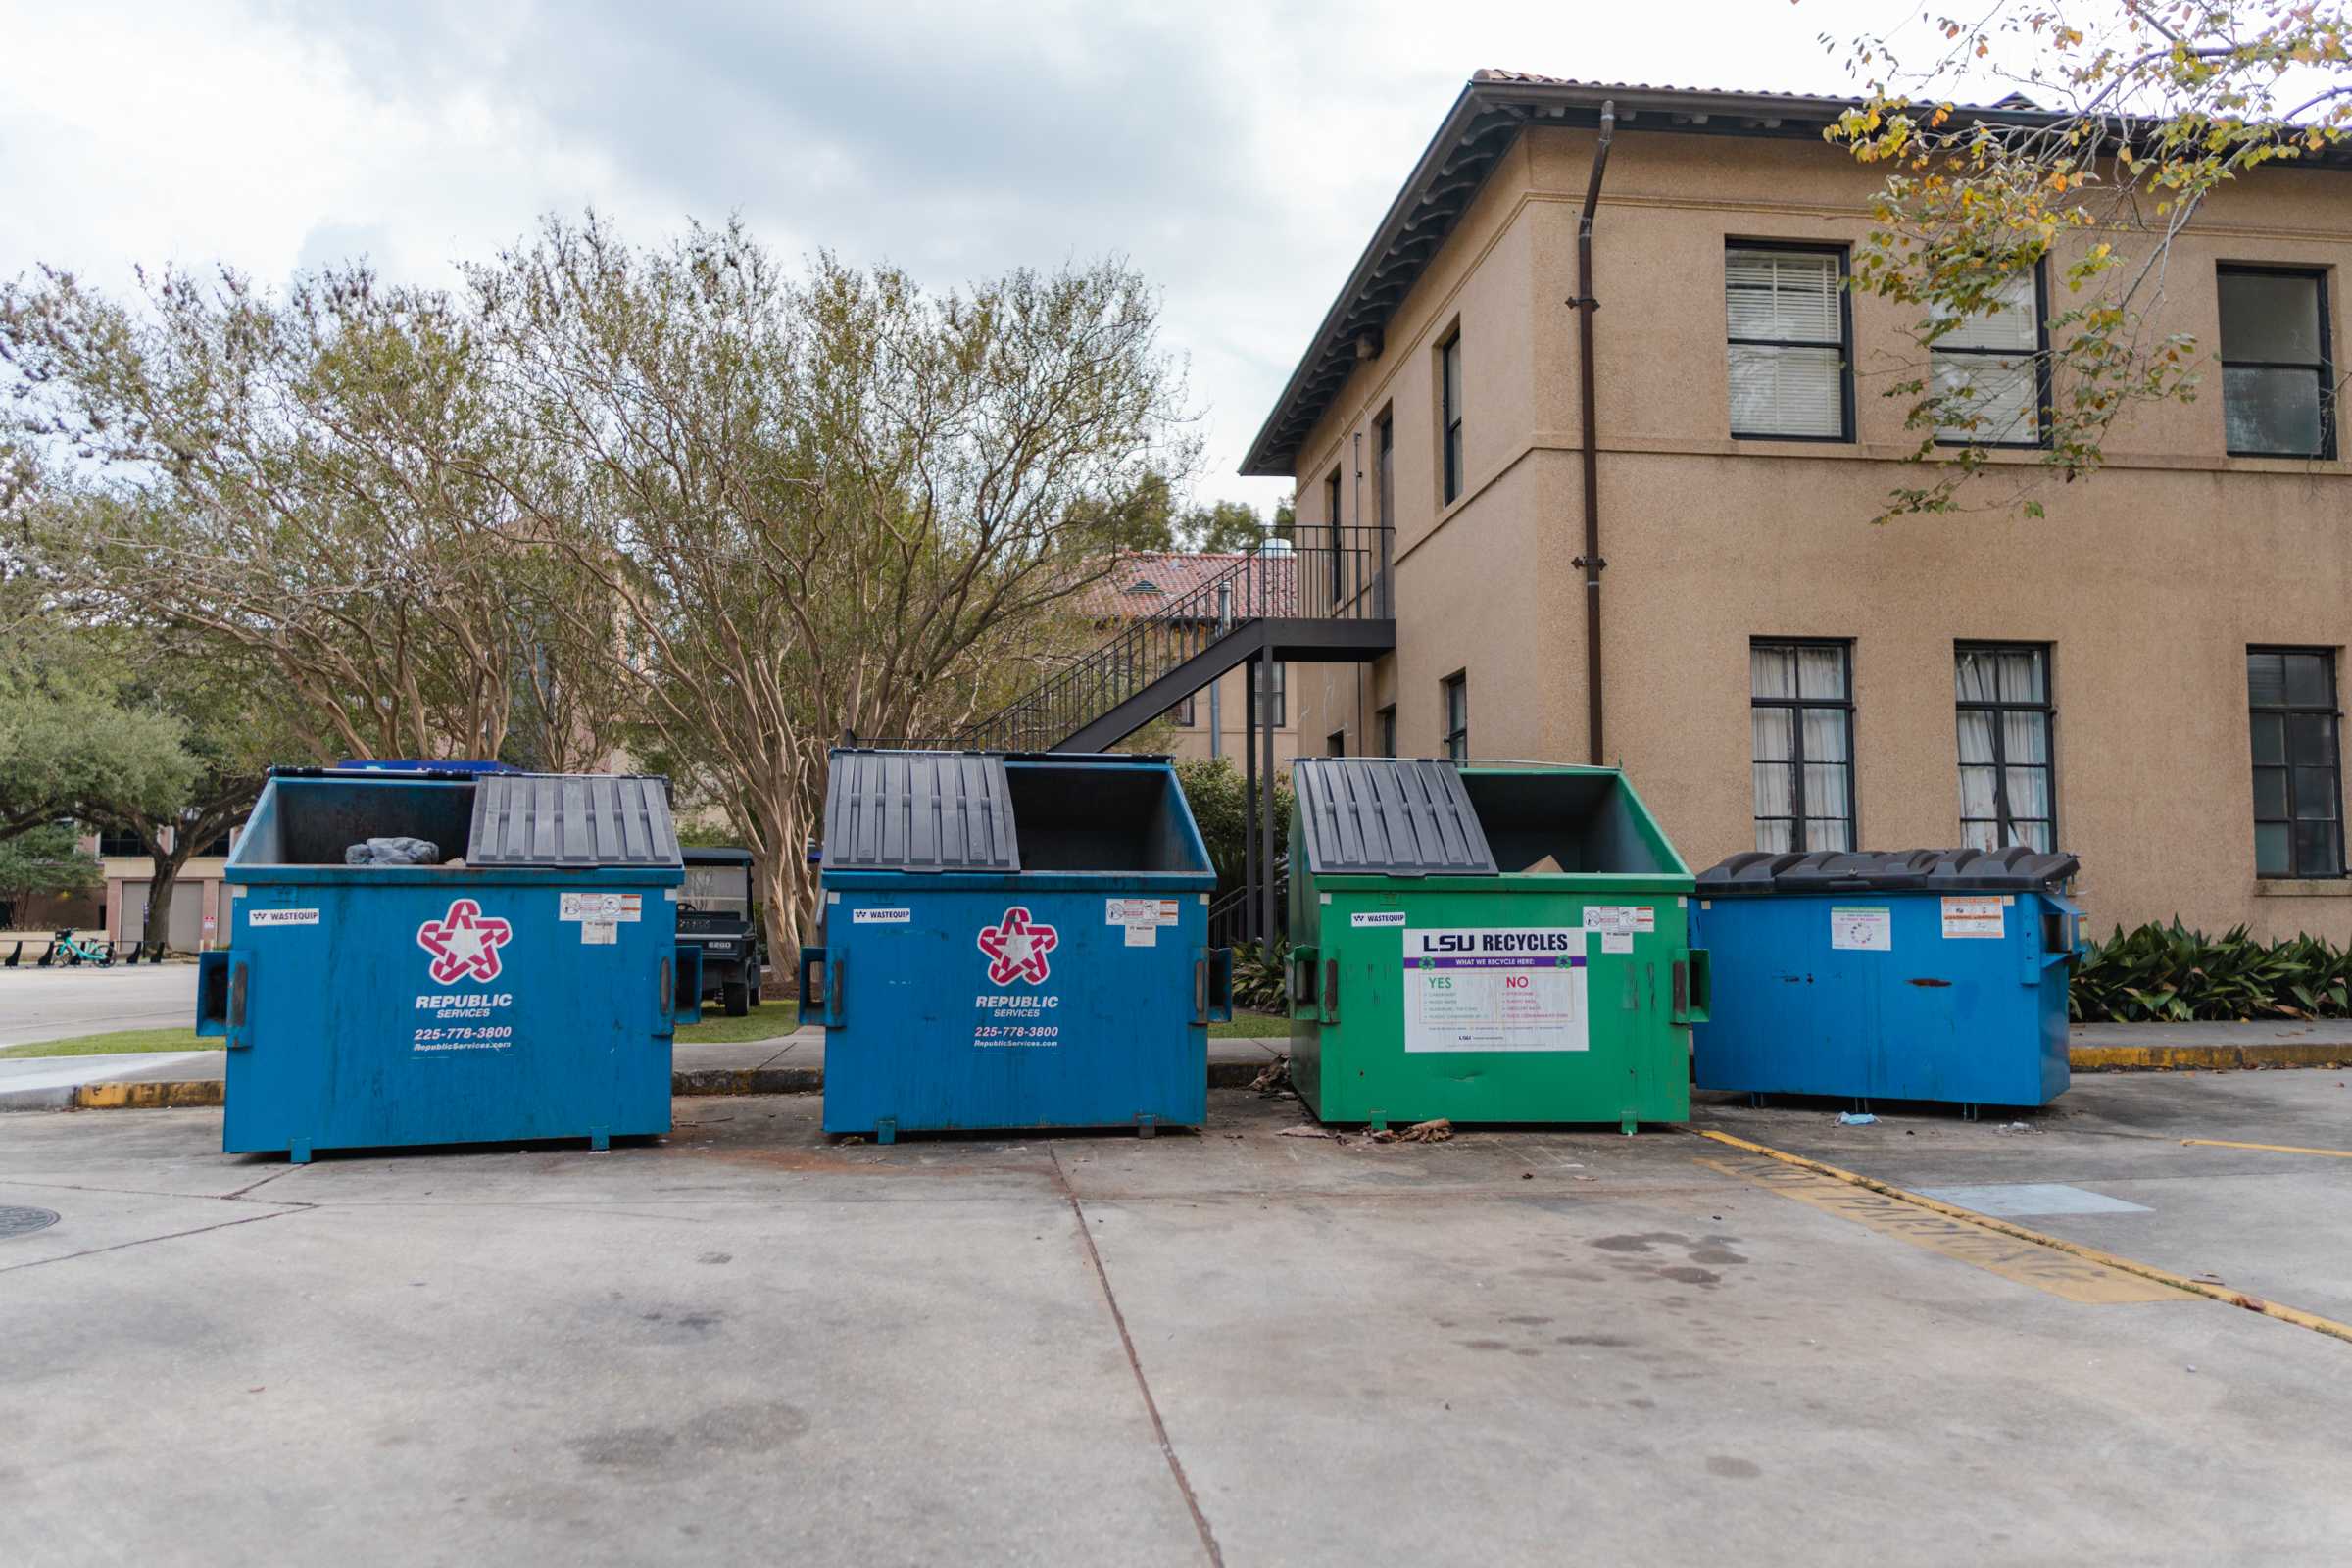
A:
(2148, 676)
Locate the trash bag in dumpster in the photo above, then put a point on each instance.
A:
(1013, 942)
(393, 852)
(529, 993)
(1909, 974)
(1486, 943)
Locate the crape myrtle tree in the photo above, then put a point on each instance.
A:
(815, 503)
(2153, 106)
(301, 486)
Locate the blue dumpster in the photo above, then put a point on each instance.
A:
(1012, 941)
(519, 981)
(1923, 974)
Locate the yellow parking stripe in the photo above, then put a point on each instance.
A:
(2074, 1278)
(2271, 1149)
(2146, 1271)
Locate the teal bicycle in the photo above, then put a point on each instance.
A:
(72, 950)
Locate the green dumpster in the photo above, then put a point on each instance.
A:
(1488, 942)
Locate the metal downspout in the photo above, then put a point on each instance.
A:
(1592, 561)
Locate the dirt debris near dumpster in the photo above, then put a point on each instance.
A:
(1275, 1078)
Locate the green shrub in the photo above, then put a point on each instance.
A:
(1258, 979)
(2170, 974)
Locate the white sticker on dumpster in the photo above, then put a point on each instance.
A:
(1860, 928)
(882, 916)
(1376, 917)
(600, 933)
(600, 906)
(1622, 917)
(1972, 917)
(281, 917)
(1616, 941)
(1511, 989)
(1142, 918)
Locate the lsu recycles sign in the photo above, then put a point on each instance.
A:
(1502, 989)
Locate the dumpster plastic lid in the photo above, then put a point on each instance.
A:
(1399, 817)
(2014, 870)
(1756, 871)
(578, 820)
(920, 812)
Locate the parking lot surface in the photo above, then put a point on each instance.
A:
(1239, 1346)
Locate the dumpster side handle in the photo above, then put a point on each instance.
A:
(686, 1000)
(821, 959)
(1694, 987)
(223, 986)
(1212, 985)
(1330, 1010)
(1301, 982)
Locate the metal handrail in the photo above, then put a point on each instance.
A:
(1337, 574)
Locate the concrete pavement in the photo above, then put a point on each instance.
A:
(54, 1004)
(1239, 1347)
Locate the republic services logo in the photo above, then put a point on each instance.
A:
(1017, 949)
(463, 943)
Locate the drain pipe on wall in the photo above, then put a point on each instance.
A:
(1592, 561)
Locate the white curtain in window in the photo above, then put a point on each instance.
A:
(1783, 391)
(1987, 398)
(2010, 324)
(1794, 382)
(1771, 670)
(1782, 294)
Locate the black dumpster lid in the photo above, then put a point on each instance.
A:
(2013, 869)
(570, 820)
(920, 812)
(1883, 871)
(1399, 817)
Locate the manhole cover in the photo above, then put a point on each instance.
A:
(25, 1221)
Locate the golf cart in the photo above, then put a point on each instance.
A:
(715, 911)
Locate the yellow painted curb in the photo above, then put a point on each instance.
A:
(2149, 1271)
(167, 1096)
(2216, 1058)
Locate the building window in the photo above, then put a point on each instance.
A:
(111, 841)
(1457, 717)
(2276, 388)
(2298, 777)
(2006, 794)
(1789, 342)
(1450, 411)
(1181, 715)
(1273, 695)
(1384, 730)
(1335, 743)
(1990, 371)
(1384, 491)
(1801, 709)
(1331, 518)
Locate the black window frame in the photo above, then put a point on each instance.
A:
(2044, 397)
(1453, 741)
(1335, 743)
(2332, 710)
(1273, 694)
(114, 845)
(1845, 335)
(2004, 820)
(1449, 416)
(1183, 715)
(1795, 761)
(2325, 368)
(1384, 729)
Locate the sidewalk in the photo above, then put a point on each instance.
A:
(794, 1063)
(791, 1065)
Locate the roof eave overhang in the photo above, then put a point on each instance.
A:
(1477, 131)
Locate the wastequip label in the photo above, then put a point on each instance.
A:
(463, 944)
(1510, 989)
(1015, 948)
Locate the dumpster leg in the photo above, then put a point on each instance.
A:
(1627, 1124)
(1142, 1127)
(598, 1139)
(886, 1131)
(298, 1152)
(1378, 1124)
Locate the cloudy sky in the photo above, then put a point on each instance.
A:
(1238, 151)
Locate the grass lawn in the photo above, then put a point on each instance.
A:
(124, 1040)
(717, 1028)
